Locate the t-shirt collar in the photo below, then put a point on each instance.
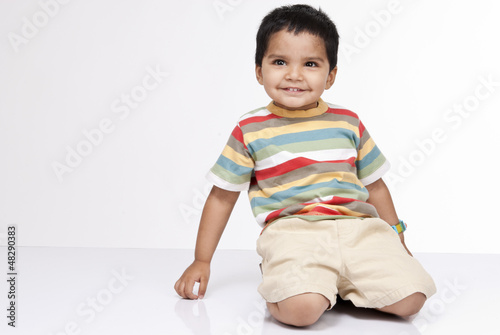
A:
(320, 109)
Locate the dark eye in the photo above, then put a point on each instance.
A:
(279, 62)
(311, 64)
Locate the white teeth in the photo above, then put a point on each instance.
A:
(294, 89)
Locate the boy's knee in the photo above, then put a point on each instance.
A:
(300, 310)
(408, 306)
(415, 304)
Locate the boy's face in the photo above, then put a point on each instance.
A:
(295, 70)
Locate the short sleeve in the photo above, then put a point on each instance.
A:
(371, 164)
(234, 169)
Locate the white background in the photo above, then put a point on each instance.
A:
(406, 67)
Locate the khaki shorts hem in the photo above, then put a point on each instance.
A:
(397, 295)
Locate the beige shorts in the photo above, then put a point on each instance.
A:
(362, 260)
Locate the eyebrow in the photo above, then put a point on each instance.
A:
(307, 58)
(316, 59)
(274, 56)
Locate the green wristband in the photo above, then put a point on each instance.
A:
(400, 227)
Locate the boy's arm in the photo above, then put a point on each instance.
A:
(214, 217)
(380, 197)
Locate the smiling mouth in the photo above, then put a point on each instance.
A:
(293, 89)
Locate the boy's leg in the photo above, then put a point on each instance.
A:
(300, 310)
(379, 272)
(406, 307)
(299, 269)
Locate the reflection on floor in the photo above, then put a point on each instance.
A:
(130, 291)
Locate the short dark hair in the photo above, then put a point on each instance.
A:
(298, 18)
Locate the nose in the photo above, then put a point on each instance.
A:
(294, 73)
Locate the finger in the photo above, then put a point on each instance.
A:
(188, 290)
(177, 286)
(203, 287)
(180, 288)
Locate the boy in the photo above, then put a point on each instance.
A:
(313, 176)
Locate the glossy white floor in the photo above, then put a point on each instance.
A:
(130, 291)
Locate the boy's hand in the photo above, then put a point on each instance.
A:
(198, 272)
(402, 238)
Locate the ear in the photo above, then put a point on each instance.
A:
(258, 74)
(331, 78)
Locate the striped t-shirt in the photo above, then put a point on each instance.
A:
(311, 163)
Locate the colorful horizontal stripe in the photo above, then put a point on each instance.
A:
(310, 163)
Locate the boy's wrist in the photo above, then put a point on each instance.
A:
(205, 261)
(202, 261)
(399, 227)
